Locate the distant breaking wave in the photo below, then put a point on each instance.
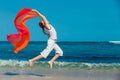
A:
(114, 42)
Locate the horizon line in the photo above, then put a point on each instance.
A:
(64, 41)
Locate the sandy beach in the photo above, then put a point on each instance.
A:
(61, 75)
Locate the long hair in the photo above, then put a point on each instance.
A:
(43, 28)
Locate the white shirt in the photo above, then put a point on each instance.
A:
(52, 32)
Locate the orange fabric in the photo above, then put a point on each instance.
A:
(21, 40)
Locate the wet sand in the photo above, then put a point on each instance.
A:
(61, 75)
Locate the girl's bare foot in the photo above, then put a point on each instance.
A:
(50, 64)
(30, 63)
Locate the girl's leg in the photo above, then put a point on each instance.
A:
(52, 60)
(34, 59)
(59, 52)
(44, 53)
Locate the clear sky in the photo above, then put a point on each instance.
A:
(74, 20)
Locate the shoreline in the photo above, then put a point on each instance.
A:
(60, 75)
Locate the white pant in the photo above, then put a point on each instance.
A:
(51, 44)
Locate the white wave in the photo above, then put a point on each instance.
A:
(114, 42)
(13, 63)
(62, 65)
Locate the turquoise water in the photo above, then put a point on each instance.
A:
(77, 56)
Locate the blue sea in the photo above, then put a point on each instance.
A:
(77, 56)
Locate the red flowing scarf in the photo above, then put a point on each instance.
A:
(21, 40)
